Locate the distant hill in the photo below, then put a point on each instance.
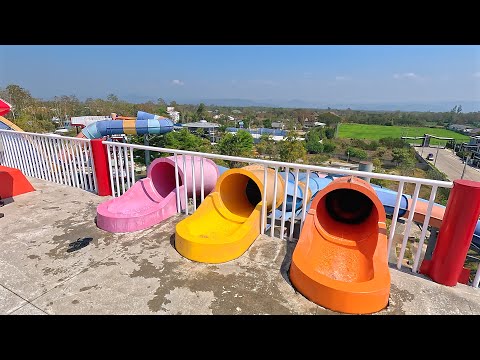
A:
(439, 106)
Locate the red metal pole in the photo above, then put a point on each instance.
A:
(102, 171)
(455, 236)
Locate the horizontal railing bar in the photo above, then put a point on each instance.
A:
(46, 135)
(444, 184)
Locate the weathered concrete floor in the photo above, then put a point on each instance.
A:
(142, 273)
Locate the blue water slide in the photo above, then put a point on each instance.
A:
(476, 235)
(290, 190)
(142, 115)
(389, 198)
(221, 169)
(145, 123)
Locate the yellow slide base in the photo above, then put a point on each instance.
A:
(213, 234)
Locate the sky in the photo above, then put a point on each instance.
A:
(312, 73)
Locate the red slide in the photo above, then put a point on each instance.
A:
(13, 182)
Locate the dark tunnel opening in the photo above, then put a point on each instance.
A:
(253, 193)
(348, 206)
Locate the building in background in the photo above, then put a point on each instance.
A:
(174, 115)
(205, 128)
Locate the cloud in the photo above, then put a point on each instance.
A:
(178, 82)
(409, 75)
(477, 74)
(341, 78)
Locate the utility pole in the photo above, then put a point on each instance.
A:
(464, 167)
(436, 156)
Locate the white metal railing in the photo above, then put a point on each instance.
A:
(60, 159)
(69, 161)
(122, 172)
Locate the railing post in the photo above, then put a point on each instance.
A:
(455, 236)
(102, 171)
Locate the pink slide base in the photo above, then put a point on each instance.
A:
(154, 198)
(139, 208)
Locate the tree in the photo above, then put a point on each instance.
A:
(18, 97)
(291, 149)
(30, 124)
(403, 157)
(330, 133)
(201, 111)
(329, 118)
(267, 123)
(314, 146)
(238, 144)
(184, 140)
(329, 146)
(112, 98)
(267, 146)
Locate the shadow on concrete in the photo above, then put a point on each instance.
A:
(287, 260)
(6, 201)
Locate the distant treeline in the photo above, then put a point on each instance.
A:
(33, 114)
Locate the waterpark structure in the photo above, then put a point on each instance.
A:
(341, 259)
(144, 123)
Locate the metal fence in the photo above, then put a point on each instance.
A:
(59, 159)
(122, 177)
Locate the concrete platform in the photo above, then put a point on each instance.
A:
(142, 273)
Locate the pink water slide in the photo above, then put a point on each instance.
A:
(154, 198)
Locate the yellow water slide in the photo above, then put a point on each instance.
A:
(8, 125)
(228, 221)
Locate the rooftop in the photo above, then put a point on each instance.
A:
(201, 124)
(142, 273)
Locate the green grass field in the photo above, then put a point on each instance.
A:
(375, 132)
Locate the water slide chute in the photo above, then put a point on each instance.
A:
(228, 221)
(340, 260)
(6, 124)
(145, 123)
(154, 198)
(388, 198)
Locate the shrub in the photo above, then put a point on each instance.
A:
(328, 146)
(393, 143)
(356, 153)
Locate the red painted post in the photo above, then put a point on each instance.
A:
(455, 236)
(102, 170)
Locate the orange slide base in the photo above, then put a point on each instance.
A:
(340, 261)
(13, 182)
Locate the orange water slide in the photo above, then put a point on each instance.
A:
(340, 261)
(420, 212)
